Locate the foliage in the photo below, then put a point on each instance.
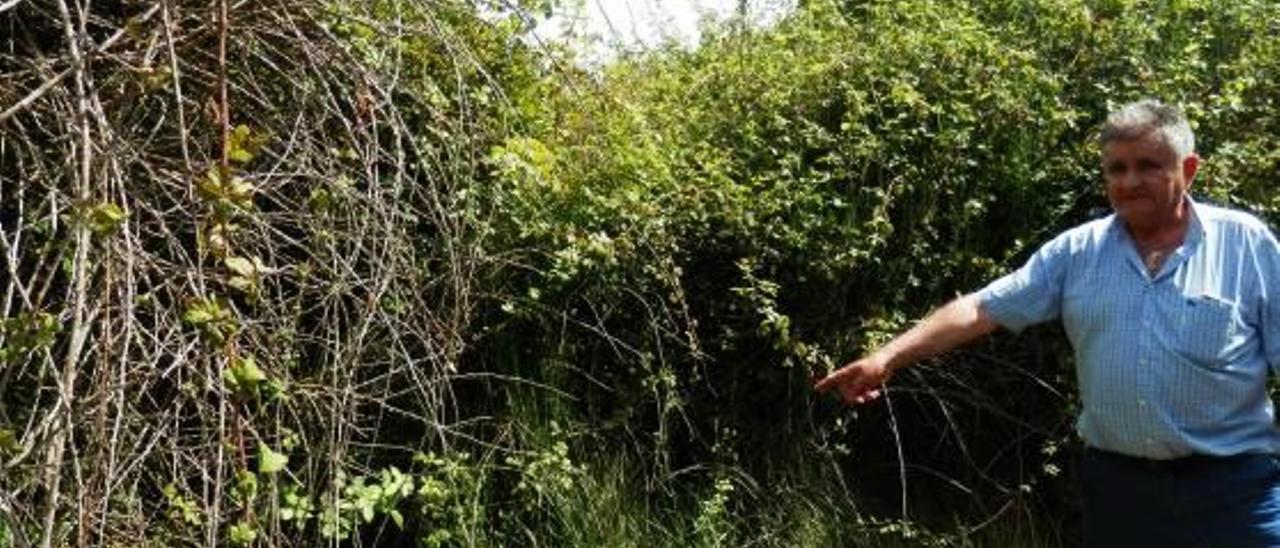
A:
(416, 279)
(697, 232)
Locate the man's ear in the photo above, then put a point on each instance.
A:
(1190, 165)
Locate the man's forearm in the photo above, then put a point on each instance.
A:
(958, 322)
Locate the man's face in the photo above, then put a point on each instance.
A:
(1146, 181)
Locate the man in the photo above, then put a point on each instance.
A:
(1173, 311)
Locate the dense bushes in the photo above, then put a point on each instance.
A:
(706, 227)
(433, 284)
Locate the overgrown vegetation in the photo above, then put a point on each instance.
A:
(304, 273)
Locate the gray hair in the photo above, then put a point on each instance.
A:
(1135, 120)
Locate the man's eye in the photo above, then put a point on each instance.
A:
(1148, 166)
(1114, 169)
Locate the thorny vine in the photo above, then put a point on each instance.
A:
(209, 247)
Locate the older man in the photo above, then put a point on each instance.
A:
(1173, 310)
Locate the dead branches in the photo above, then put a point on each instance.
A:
(219, 235)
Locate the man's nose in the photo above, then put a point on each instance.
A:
(1128, 178)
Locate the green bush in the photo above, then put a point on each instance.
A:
(695, 232)
(448, 288)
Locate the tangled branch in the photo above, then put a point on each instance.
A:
(219, 233)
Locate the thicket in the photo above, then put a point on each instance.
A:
(297, 273)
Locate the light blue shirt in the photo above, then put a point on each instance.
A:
(1170, 365)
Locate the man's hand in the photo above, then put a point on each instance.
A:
(960, 321)
(858, 382)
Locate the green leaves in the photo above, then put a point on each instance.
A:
(270, 462)
(246, 273)
(243, 144)
(296, 506)
(26, 332)
(242, 534)
(102, 218)
(105, 218)
(241, 266)
(212, 317)
(9, 443)
(246, 487)
(547, 474)
(181, 508)
(227, 192)
(243, 376)
(363, 499)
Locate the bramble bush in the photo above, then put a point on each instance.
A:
(430, 283)
(700, 231)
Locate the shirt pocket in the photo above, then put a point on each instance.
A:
(1204, 329)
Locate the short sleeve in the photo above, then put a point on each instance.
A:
(1267, 261)
(1032, 294)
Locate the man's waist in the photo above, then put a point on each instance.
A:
(1161, 434)
(1179, 465)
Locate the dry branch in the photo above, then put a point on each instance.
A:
(127, 203)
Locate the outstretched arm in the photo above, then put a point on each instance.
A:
(956, 323)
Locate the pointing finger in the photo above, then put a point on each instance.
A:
(828, 382)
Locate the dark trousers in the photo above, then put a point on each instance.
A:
(1194, 502)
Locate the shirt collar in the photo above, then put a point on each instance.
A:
(1196, 230)
(1190, 241)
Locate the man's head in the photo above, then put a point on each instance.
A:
(1148, 161)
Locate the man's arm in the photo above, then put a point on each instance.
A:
(956, 323)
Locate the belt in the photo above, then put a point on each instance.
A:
(1180, 465)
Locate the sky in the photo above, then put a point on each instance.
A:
(637, 24)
